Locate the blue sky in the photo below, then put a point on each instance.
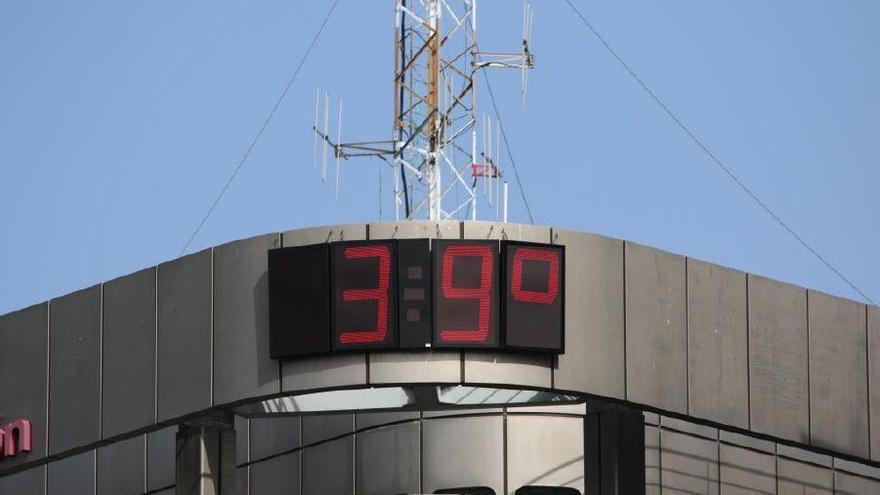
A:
(120, 122)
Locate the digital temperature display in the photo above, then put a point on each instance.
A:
(466, 293)
(533, 309)
(363, 284)
(416, 294)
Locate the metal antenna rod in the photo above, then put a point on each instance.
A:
(433, 148)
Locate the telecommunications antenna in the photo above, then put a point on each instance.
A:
(438, 174)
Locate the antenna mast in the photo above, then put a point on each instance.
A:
(434, 144)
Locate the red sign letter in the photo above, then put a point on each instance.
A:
(380, 294)
(483, 292)
(532, 254)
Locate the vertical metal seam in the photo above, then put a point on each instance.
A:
(48, 392)
(625, 329)
(868, 379)
(278, 361)
(100, 386)
(809, 380)
(748, 360)
(100, 367)
(354, 451)
(660, 454)
(211, 340)
(554, 359)
(504, 448)
(687, 339)
(156, 344)
(421, 451)
(718, 458)
(367, 367)
(461, 366)
(145, 479)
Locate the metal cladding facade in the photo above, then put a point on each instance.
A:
(749, 385)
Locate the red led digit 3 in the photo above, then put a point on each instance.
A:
(521, 255)
(483, 293)
(379, 294)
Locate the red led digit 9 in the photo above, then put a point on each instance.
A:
(380, 293)
(522, 255)
(482, 293)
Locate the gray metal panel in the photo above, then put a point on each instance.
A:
(545, 450)
(652, 461)
(579, 409)
(500, 230)
(656, 333)
(499, 368)
(746, 472)
(161, 445)
(184, 335)
(242, 439)
(857, 468)
(747, 441)
(798, 478)
(317, 235)
(313, 373)
(30, 481)
(328, 468)
(416, 229)
(463, 452)
(277, 476)
(594, 359)
(387, 460)
(808, 456)
(270, 436)
(121, 467)
(242, 480)
(369, 420)
(411, 367)
(129, 347)
(694, 429)
(24, 362)
(850, 484)
(319, 428)
(718, 366)
(838, 374)
(325, 371)
(651, 418)
(75, 364)
(689, 464)
(73, 475)
(778, 359)
(513, 369)
(242, 366)
(446, 413)
(874, 379)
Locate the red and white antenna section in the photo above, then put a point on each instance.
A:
(438, 172)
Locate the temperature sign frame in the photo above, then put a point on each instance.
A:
(416, 294)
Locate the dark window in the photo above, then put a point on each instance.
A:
(468, 490)
(546, 490)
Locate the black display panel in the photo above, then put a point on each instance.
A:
(299, 303)
(533, 296)
(363, 289)
(414, 278)
(465, 293)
